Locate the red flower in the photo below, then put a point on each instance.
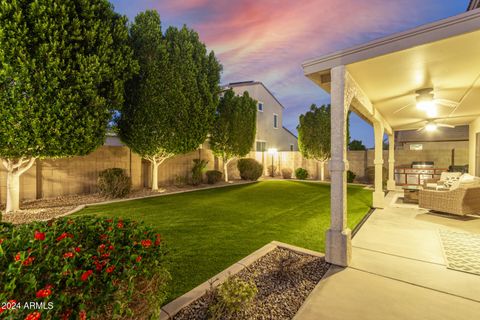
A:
(86, 274)
(106, 255)
(28, 261)
(8, 306)
(17, 257)
(48, 286)
(111, 248)
(78, 249)
(103, 236)
(138, 259)
(82, 315)
(66, 315)
(39, 235)
(146, 243)
(101, 247)
(68, 255)
(1, 241)
(64, 235)
(109, 220)
(43, 293)
(110, 269)
(120, 224)
(158, 239)
(34, 316)
(109, 228)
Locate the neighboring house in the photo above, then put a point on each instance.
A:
(270, 131)
(474, 4)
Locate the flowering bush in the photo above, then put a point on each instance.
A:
(82, 268)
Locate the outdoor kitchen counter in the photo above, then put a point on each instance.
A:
(416, 176)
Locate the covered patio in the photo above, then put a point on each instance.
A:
(423, 79)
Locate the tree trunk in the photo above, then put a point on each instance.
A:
(155, 165)
(13, 192)
(15, 168)
(225, 169)
(322, 170)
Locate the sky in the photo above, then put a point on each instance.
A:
(267, 40)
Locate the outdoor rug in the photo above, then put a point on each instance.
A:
(461, 250)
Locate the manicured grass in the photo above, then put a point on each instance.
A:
(206, 231)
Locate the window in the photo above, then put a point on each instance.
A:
(275, 120)
(260, 106)
(261, 146)
(291, 147)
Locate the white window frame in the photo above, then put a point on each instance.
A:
(275, 116)
(258, 106)
(261, 141)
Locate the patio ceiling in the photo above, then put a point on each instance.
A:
(444, 56)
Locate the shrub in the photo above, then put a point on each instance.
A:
(87, 267)
(213, 176)
(370, 175)
(272, 171)
(287, 173)
(250, 169)
(350, 176)
(301, 173)
(197, 171)
(232, 296)
(114, 183)
(180, 181)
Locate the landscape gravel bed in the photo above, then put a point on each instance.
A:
(45, 209)
(284, 279)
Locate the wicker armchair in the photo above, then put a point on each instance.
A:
(460, 201)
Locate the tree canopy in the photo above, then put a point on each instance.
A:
(170, 105)
(314, 133)
(63, 67)
(233, 133)
(356, 145)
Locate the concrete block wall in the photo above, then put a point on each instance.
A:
(78, 175)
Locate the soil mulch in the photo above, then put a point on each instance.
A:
(45, 209)
(284, 279)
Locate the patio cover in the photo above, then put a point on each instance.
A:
(379, 80)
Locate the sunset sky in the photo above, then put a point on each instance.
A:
(267, 40)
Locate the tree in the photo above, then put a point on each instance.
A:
(233, 133)
(170, 104)
(314, 135)
(64, 64)
(356, 145)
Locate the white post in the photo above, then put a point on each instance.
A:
(391, 163)
(378, 194)
(338, 242)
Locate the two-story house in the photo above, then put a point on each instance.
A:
(270, 131)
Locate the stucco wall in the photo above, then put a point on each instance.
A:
(275, 137)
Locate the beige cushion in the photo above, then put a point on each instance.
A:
(467, 181)
(446, 175)
(450, 178)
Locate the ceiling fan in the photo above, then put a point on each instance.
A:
(426, 102)
(430, 125)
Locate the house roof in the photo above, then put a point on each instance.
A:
(252, 83)
(474, 4)
(290, 132)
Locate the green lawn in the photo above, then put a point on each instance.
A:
(208, 230)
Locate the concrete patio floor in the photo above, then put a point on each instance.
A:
(398, 271)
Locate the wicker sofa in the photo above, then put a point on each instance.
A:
(460, 201)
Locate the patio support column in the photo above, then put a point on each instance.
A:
(391, 162)
(338, 242)
(378, 194)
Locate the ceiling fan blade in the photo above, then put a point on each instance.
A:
(404, 107)
(420, 129)
(445, 125)
(446, 103)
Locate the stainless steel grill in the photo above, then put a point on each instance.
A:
(423, 164)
